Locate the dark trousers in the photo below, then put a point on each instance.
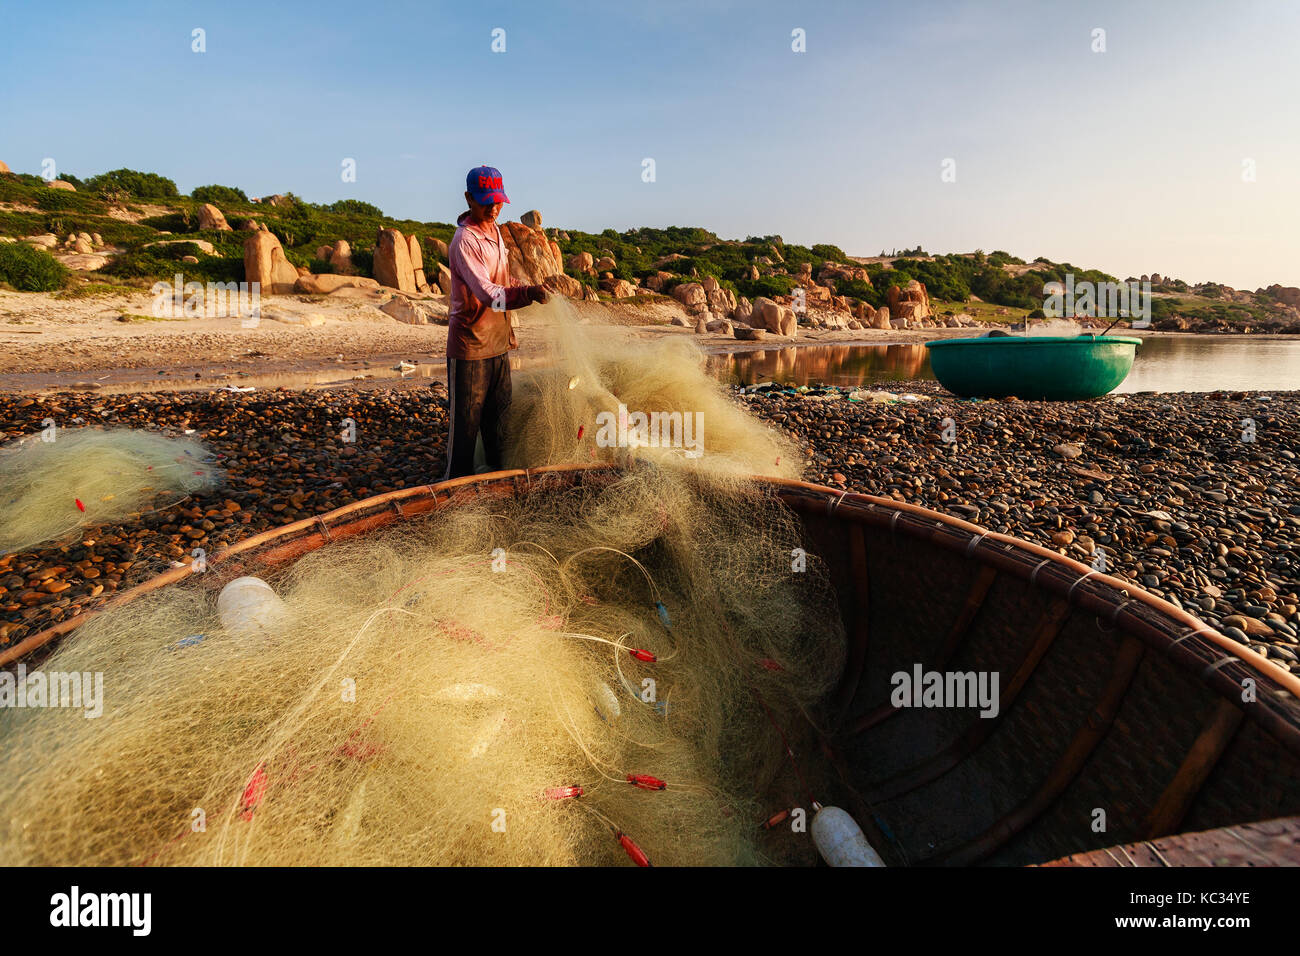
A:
(479, 391)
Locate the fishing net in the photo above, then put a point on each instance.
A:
(603, 398)
(84, 476)
(586, 672)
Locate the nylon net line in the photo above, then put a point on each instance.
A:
(574, 676)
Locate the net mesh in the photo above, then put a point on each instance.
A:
(434, 693)
(54, 484)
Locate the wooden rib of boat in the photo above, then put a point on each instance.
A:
(1122, 719)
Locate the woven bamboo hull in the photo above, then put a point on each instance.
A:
(1115, 706)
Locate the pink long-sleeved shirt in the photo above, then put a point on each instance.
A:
(481, 292)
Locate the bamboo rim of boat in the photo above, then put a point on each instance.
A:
(1215, 658)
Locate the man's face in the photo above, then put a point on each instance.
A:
(483, 214)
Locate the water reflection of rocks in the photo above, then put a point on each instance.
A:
(823, 364)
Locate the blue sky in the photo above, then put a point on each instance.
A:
(1129, 160)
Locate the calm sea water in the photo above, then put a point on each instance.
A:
(1184, 363)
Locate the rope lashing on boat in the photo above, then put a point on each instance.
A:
(1213, 666)
(1033, 576)
(1114, 614)
(1207, 631)
(1069, 595)
(974, 543)
(835, 503)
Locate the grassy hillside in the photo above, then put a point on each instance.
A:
(130, 209)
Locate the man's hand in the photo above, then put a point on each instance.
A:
(538, 294)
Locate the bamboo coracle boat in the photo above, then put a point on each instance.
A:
(1120, 719)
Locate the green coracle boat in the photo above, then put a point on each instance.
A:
(1056, 368)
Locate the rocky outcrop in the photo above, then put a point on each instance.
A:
(4, 168)
(833, 271)
(439, 247)
(1287, 295)
(777, 319)
(60, 184)
(327, 284)
(393, 261)
(565, 285)
(911, 303)
(210, 217)
(692, 296)
(341, 258)
(416, 311)
(84, 263)
(606, 264)
(533, 257)
(744, 310)
(618, 288)
(417, 263)
(721, 301)
(444, 278)
(265, 262)
(205, 247)
(655, 283)
(582, 262)
(532, 219)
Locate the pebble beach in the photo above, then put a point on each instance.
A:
(1171, 490)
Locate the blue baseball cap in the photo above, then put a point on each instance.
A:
(484, 184)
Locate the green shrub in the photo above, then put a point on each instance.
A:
(364, 261)
(170, 222)
(857, 289)
(768, 286)
(174, 251)
(20, 223)
(29, 269)
(354, 207)
(61, 200)
(142, 264)
(135, 183)
(834, 253)
(219, 196)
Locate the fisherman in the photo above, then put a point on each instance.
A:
(479, 336)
